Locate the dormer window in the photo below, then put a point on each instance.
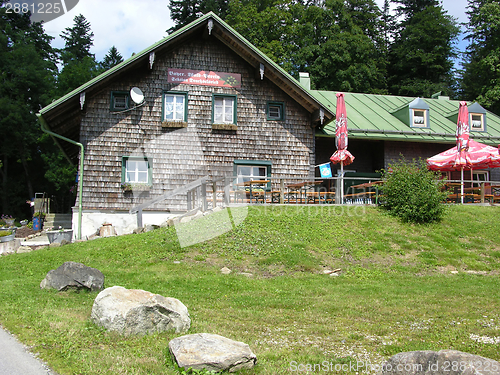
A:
(419, 114)
(419, 118)
(477, 118)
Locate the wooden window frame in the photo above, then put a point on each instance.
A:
(483, 122)
(234, 111)
(254, 163)
(115, 94)
(124, 179)
(425, 124)
(175, 94)
(281, 107)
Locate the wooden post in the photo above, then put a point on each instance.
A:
(482, 192)
(227, 192)
(139, 218)
(204, 197)
(282, 191)
(189, 203)
(214, 194)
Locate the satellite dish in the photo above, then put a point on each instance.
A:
(136, 95)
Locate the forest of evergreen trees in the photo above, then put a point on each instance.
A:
(345, 45)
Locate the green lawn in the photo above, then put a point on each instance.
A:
(402, 287)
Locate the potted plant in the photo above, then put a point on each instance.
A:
(38, 220)
(60, 234)
(7, 235)
(9, 220)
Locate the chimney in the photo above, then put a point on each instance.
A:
(304, 80)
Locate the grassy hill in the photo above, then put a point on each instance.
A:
(401, 287)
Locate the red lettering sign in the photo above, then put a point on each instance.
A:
(204, 78)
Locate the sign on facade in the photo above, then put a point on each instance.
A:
(205, 78)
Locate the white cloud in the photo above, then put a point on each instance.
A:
(130, 26)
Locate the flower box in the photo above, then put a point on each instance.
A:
(57, 236)
(8, 237)
(135, 187)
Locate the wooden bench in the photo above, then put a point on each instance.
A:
(320, 196)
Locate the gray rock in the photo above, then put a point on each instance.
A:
(24, 249)
(225, 271)
(211, 352)
(138, 312)
(75, 276)
(444, 362)
(150, 227)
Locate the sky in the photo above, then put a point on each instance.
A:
(132, 26)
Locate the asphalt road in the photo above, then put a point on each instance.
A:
(15, 359)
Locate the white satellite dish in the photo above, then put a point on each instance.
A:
(136, 95)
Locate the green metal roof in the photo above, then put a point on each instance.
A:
(372, 116)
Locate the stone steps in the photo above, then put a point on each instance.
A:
(58, 220)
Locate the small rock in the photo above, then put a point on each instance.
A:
(477, 272)
(225, 271)
(24, 249)
(247, 274)
(205, 351)
(150, 227)
(75, 276)
(428, 362)
(185, 219)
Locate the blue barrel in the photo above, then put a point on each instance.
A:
(37, 223)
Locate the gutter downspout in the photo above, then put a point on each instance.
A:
(44, 127)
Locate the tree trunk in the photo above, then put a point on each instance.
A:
(3, 174)
(31, 192)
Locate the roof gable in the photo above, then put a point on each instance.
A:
(209, 24)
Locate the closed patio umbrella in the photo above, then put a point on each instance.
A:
(341, 156)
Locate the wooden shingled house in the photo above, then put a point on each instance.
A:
(201, 102)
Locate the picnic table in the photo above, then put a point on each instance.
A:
(252, 184)
(298, 190)
(474, 193)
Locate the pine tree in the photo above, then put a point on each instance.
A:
(421, 55)
(79, 64)
(481, 76)
(112, 58)
(26, 80)
(183, 12)
(78, 40)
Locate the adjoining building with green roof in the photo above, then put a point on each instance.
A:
(383, 127)
(205, 102)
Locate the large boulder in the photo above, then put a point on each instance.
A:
(72, 275)
(211, 352)
(138, 312)
(444, 362)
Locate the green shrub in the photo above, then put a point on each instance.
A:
(412, 192)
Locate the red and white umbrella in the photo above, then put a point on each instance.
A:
(468, 154)
(341, 156)
(462, 159)
(481, 156)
